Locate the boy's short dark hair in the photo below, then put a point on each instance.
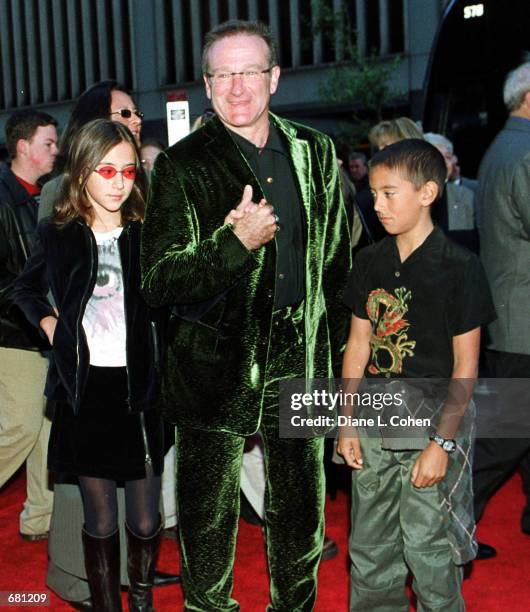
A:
(22, 125)
(416, 160)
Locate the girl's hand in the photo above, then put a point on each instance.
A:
(350, 449)
(48, 325)
(430, 467)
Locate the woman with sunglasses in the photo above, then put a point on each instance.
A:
(103, 100)
(106, 100)
(105, 356)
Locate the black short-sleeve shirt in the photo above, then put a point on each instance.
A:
(416, 307)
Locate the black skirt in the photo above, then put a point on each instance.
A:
(105, 440)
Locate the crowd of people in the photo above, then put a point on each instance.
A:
(153, 300)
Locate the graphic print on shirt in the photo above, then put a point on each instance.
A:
(389, 342)
(103, 320)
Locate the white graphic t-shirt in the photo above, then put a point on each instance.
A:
(104, 318)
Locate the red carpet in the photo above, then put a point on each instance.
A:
(499, 584)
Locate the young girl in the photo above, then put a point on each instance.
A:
(103, 372)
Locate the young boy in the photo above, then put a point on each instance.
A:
(418, 303)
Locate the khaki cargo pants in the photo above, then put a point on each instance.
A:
(396, 528)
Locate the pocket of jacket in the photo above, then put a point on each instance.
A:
(200, 340)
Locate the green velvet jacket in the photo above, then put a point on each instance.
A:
(215, 366)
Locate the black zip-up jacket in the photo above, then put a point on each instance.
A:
(18, 222)
(65, 261)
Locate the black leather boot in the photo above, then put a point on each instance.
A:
(142, 554)
(102, 561)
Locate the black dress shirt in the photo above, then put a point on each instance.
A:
(417, 306)
(274, 171)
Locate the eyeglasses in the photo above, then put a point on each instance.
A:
(225, 77)
(126, 113)
(108, 172)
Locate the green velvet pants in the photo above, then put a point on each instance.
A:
(208, 473)
(396, 528)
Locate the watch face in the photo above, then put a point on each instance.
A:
(449, 446)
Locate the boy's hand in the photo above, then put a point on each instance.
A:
(350, 449)
(430, 466)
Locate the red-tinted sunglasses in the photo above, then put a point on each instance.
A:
(108, 172)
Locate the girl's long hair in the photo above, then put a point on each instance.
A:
(88, 147)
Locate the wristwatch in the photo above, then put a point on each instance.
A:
(449, 446)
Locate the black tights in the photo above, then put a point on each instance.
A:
(100, 503)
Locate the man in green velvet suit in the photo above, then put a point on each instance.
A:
(251, 306)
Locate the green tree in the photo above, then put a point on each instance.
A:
(359, 80)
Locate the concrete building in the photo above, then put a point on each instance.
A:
(51, 50)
